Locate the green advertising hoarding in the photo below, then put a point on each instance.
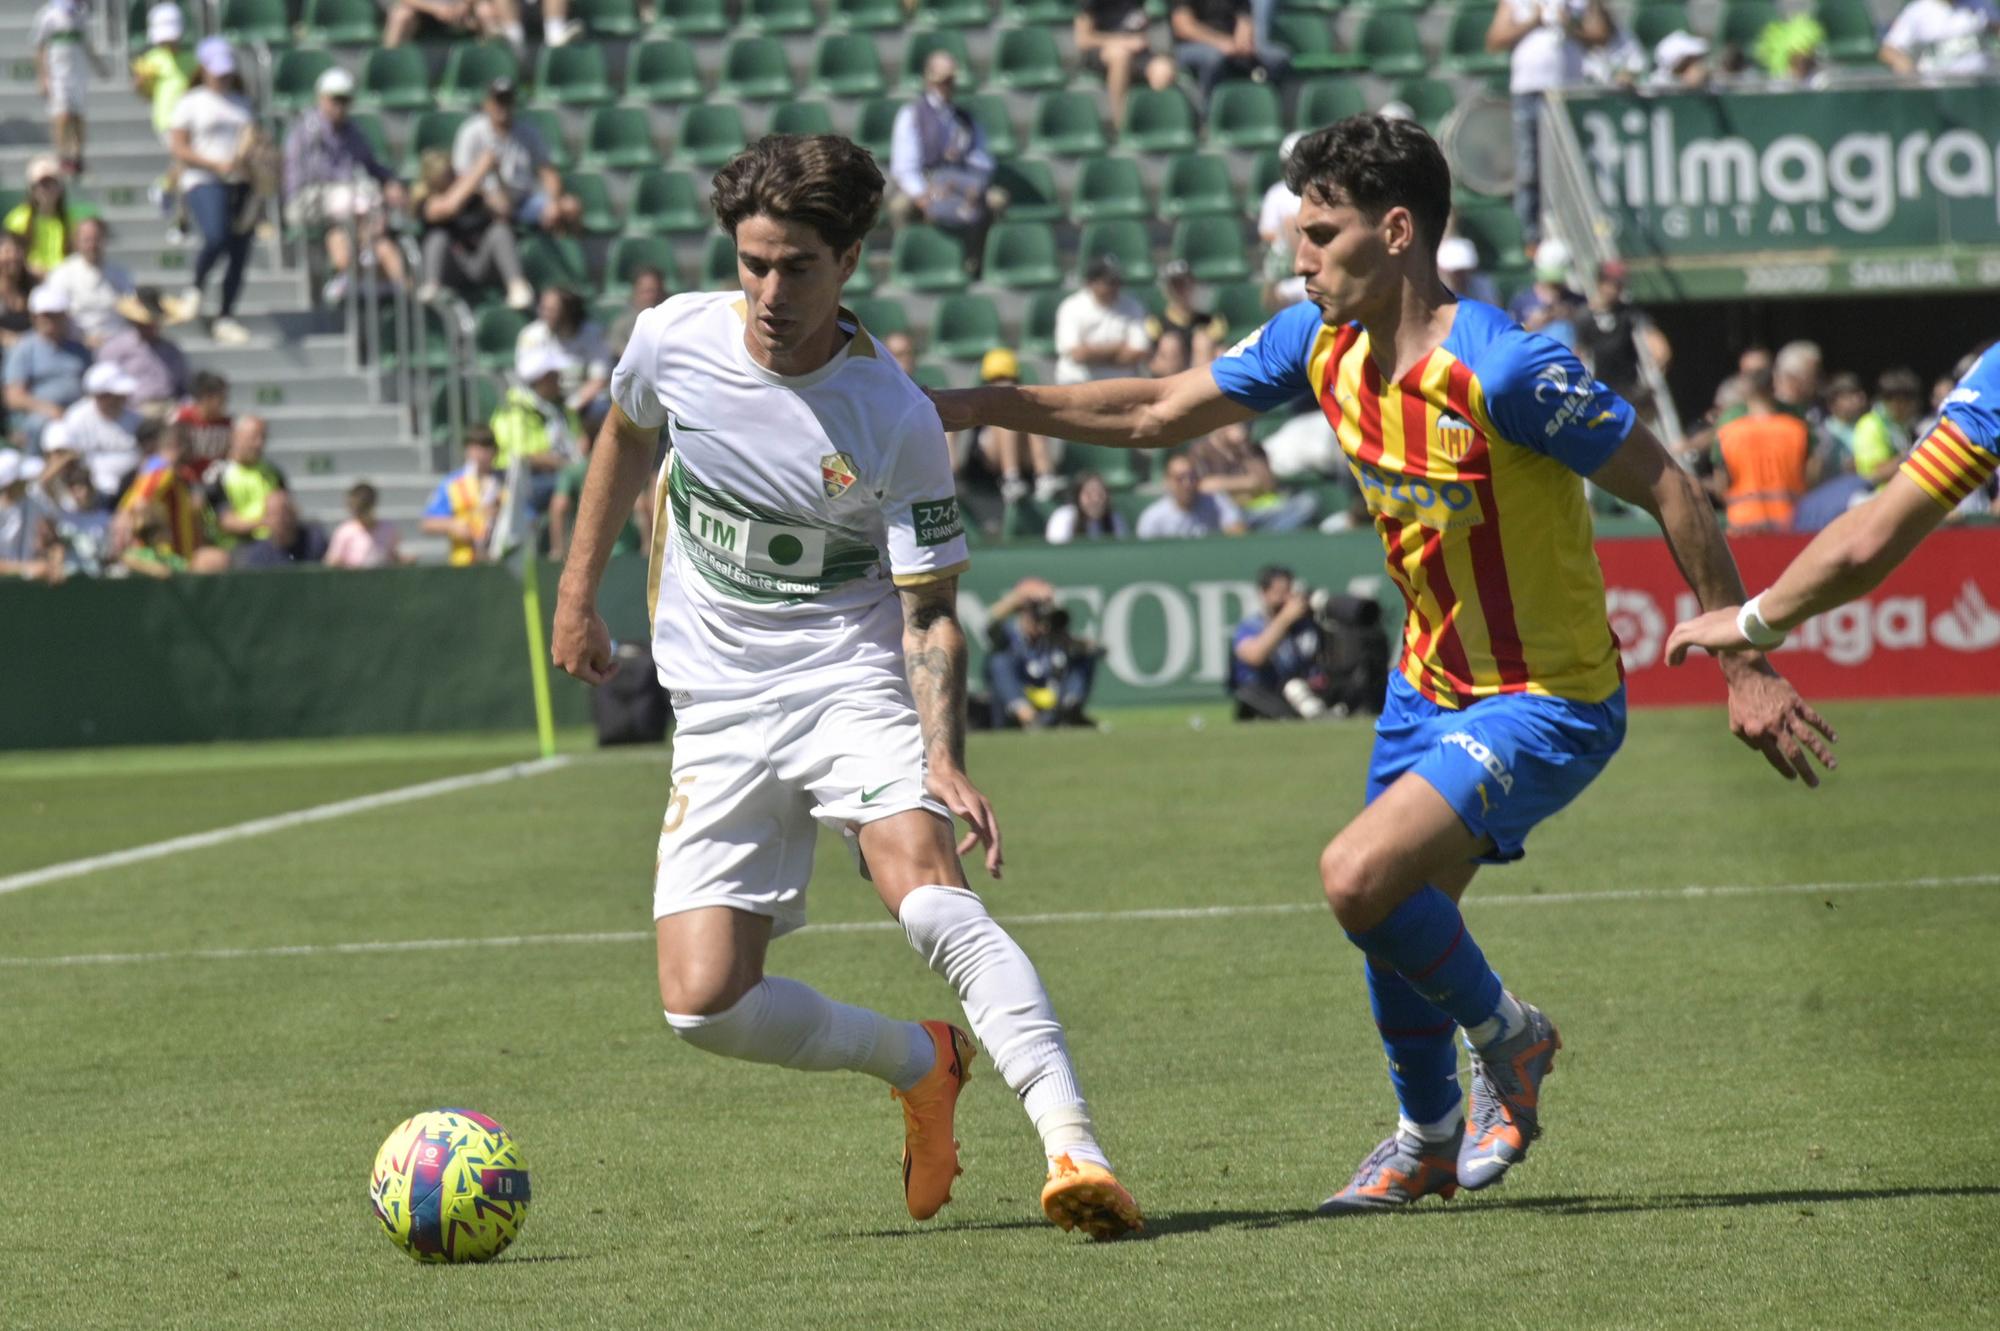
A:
(1785, 194)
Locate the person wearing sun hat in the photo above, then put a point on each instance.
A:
(159, 369)
(101, 428)
(213, 132)
(333, 178)
(533, 422)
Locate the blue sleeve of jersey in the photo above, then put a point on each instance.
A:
(1541, 397)
(1974, 406)
(1268, 368)
(440, 505)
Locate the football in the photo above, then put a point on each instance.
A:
(450, 1186)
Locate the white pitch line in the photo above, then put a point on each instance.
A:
(278, 822)
(1691, 893)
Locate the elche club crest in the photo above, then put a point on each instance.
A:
(836, 473)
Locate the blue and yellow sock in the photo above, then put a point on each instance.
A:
(1423, 1064)
(1426, 940)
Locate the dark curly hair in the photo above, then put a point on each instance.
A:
(823, 180)
(1376, 164)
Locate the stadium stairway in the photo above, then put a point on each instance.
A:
(329, 424)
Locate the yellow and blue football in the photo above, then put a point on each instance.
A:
(450, 1186)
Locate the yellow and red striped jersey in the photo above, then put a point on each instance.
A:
(1962, 451)
(1471, 464)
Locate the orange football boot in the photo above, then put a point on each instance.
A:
(930, 1152)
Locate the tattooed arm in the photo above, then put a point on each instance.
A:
(934, 657)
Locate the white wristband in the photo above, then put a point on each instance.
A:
(1750, 623)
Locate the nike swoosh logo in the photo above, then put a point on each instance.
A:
(682, 427)
(869, 795)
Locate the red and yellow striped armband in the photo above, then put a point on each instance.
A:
(1947, 467)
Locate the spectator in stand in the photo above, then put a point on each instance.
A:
(82, 519)
(214, 131)
(240, 494)
(1278, 222)
(288, 539)
(1183, 334)
(466, 504)
(523, 186)
(902, 349)
(534, 424)
(28, 546)
(558, 29)
(1795, 380)
(467, 246)
(333, 179)
(1846, 404)
(1940, 38)
(938, 160)
(649, 288)
(1275, 653)
(1547, 305)
(148, 544)
(1544, 41)
(1229, 466)
(1040, 675)
(1763, 462)
(44, 369)
(1885, 434)
(563, 322)
(93, 285)
(633, 538)
(46, 219)
(161, 484)
(1088, 516)
(1791, 48)
(1100, 331)
(205, 423)
(1217, 39)
(1115, 38)
(64, 58)
(1680, 62)
(102, 429)
(158, 369)
(1609, 334)
(364, 540)
(1185, 511)
(497, 20)
(161, 76)
(1458, 266)
(16, 285)
(1004, 452)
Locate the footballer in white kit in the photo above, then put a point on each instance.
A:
(803, 591)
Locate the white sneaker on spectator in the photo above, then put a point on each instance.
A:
(228, 332)
(559, 31)
(520, 295)
(335, 290)
(1013, 489)
(180, 309)
(428, 292)
(1049, 487)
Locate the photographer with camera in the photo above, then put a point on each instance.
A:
(1040, 676)
(1274, 669)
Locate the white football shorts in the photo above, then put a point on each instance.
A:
(752, 784)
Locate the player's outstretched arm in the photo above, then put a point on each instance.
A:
(1851, 557)
(1116, 413)
(1765, 711)
(934, 656)
(619, 465)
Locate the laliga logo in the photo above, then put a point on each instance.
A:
(1641, 628)
(1970, 625)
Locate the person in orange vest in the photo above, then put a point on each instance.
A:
(1763, 461)
(465, 504)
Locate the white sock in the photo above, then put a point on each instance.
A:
(1009, 1010)
(1433, 1133)
(1507, 1020)
(795, 1026)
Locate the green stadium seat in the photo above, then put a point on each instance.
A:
(469, 67)
(664, 71)
(1020, 255)
(631, 253)
(1324, 101)
(667, 203)
(1157, 121)
(846, 64)
(554, 137)
(436, 355)
(866, 15)
(862, 282)
(555, 261)
(1125, 240)
(1652, 22)
(880, 315)
(620, 138)
(918, 48)
(432, 129)
(691, 18)
(1465, 43)
(1198, 185)
(711, 134)
(1266, 170)
(1241, 305)
(482, 399)
(1027, 60)
(1031, 189)
(1066, 125)
(954, 13)
(718, 265)
(1431, 99)
(776, 17)
(756, 69)
(1743, 21)
(293, 75)
(875, 123)
(607, 18)
(967, 327)
(1494, 230)
(1245, 115)
(495, 329)
(1108, 187)
(932, 376)
(923, 258)
(1038, 325)
(573, 75)
(1038, 11)
(1851, 36)
(801, 118)
(600, 214)
(267, 21)
(341, 23)
(395, 78)
(1309, 37)
(1390, 46)
(1213, 248)
(989, 111)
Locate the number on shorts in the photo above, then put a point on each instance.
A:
(677, 806)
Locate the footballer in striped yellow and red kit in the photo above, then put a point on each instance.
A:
(1472, 465)
(1962, 451)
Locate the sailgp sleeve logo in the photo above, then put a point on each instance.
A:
(1573, 400)
(937, 521)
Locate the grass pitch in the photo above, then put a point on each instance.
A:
(1770, 1110)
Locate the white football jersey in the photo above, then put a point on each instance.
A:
(791, 510)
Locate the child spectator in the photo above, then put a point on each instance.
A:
(63, 61)
(205, 422)
(160, 485)
(82, 519)
(161, 75)
(466, 503)
(364, 540)
(150, 551)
